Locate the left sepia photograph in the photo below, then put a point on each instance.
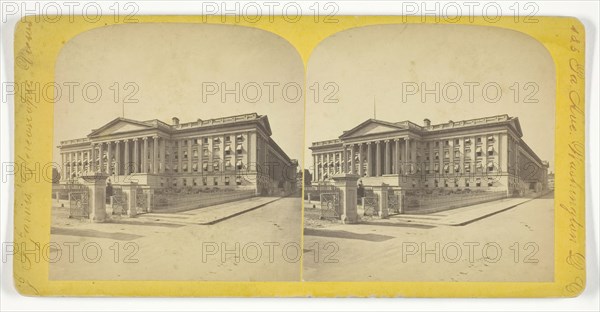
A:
(179, 156)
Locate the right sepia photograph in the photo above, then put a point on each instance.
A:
(429, 156)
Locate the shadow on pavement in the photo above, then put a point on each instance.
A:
(404, 225)
(93, 233)
(347, 235)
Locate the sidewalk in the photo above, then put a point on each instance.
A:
(458, 216)
(203, 216)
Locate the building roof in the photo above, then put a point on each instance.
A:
(376, 126)
(131, 125)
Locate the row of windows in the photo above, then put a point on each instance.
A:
(205, 181)
(467, 183)
(478, 140)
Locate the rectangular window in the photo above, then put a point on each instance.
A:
(205, 140)
(205, 181)
(457, 141)
(226, 180)
(215, 181)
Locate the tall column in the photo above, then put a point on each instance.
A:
(396, 156)
(369, 160)
(360, 160)
(387, 157)
(461, 149)
(352, 163)
(145, 155)
(101, 160)
(378, 158)
(180, 156)
(118, 158)
(344, 163)
(315, 169)
(200, 148)
(163, 150)
(136, 156)
(413, 157)
(189, 160)
(405, 158)
(110, 158)
(441, 161)
(155, 155)
(92, 158)
(126, 161)
(70, 165)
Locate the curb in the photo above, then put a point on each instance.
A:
(240, 212)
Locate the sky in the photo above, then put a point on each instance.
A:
(166, 68)
(169, 67)
(379, 64)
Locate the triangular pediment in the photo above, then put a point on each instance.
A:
(120, 125)
(371, 127)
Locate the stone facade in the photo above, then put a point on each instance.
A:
(484, 153)
(234, 152)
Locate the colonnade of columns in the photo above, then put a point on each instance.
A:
(156, 155)
(373, 158)
(467, 154)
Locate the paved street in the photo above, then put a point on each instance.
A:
(512, 245)
(261, 244)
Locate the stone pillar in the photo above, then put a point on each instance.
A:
(163, 151)
(382, 193)
(92, 161)
(352, 163)
(109, 159)
(369, 160)
(180, 156)
(347, 183)
(96, 185)
(136, 156)
(101, 160)
(118, 158)
(378, 158)
(344, 163)
(149, 199)
(441, 160)
(360, 160)
(400, 201)
(126, 161)
(405, 158)
(413, 157)
(315, 169)
(189, 150)
(130, 191)
(145, 155)
(387, 157)
(396, 156)
(155, 155)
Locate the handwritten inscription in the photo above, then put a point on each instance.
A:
(576, 156)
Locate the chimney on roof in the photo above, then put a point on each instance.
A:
(175, 121)
(427, 122)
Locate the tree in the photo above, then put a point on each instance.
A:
(55, 176)
(307, 177)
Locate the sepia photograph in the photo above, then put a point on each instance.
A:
(443, 168)
(183, 162)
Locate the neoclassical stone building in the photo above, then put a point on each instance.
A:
(487, 153)
(235, 151)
